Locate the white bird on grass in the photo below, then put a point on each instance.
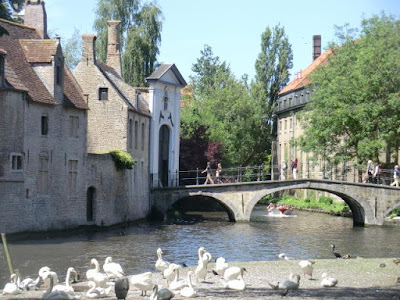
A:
(220, 266)
(232, 273)
(177, 283)
(142, 282)
(169, 273)
(288, 284)
(112, 269)
(11, 288)
(46, 279)
(201, 269)
(188, 291)
(95, 275)
(54, 295)
(161, 264)
(235, 284)
(65, 287)
(328, 281)
(306, 267)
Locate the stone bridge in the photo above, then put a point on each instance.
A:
(369, 203)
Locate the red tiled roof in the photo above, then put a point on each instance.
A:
(303, 79)
(39, 51)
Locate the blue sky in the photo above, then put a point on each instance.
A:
(233, 29)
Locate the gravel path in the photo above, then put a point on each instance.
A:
(358, 278)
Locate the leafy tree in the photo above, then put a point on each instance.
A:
(140, 36)
(72, 49)
(355, 108)
(6, 7)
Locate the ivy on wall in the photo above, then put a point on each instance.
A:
(123, 160)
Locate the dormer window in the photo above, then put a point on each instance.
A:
(103, 93)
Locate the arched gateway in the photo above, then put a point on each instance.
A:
(369, 203)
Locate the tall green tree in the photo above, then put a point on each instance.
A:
(355, 108)
(6, 8)
(141, 27)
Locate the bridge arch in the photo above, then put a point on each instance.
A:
(392, 206)
(222, 203)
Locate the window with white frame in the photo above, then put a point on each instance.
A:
(16, 162)
(72, 176)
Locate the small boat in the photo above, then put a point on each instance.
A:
(280, 211)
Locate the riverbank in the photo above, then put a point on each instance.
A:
(375, 278)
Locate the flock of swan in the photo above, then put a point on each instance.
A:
(112, 279)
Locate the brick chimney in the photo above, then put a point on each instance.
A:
(316, 46)
(113, 48)
(35, 16)
(88, 48)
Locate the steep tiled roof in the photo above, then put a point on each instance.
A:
(126, 91)
(24, 46)
(39, 51)
(162, 69)
(303, 79)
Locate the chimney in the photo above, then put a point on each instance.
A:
(35, 16)
(113, 49)
(88, 48)
(316, 46)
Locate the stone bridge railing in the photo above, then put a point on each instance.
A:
(369, 203)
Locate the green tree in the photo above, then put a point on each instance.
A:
(6, 8)
(140, 36)
(354, 113)
(72, 49)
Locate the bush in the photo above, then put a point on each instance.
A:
(307, 200)
(326, 200)
(122, 159)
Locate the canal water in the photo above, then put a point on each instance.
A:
(305, 236)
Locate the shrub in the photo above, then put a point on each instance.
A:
(307, 200)
(326, 200)
(122, 159)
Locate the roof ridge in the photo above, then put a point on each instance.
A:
(16, 24)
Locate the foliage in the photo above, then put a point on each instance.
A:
(123, 160)
(395, 213)
(72, 49)
(355, 104)
(140, 36)
(6, 7)
(311, 203)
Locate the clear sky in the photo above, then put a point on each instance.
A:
(232, 28)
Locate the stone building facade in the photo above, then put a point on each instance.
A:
(57, 128)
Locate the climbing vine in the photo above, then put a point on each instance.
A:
(122, 159)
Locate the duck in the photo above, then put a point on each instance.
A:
(337, 255)
(11, 288)
(201, 269)
(142, 282)
(328, 281)
(95, 292)
(188, 291)
(306, 267)
(288, 284)
(232, 273)
(163, 294)
(161, 264)
(220, 266)
(235, 284)
(177, 283)
(65, 287)
(112, 269)
(54, 295)
(283, 256)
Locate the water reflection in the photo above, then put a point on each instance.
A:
(307, 236)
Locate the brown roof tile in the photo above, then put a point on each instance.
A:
(39, 51)
(303, 79)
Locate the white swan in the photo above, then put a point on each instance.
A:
(161, 264)
(97, 292)
(169, 273)
(11, 288)
(288, 284)
(220, 266)
(235, 284)
(142, 282)
(46, 279)
(306, 267)
(177, 283)
(56, 294)
(65, 287)
(95, 275)
(91, 272)
(112, 269)
(232, 273)
(328, 281)
(200, 253)
(188, 291)
(28, 283)
(201, 269)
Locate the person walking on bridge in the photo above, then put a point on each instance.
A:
(209, 174)
(396, 176)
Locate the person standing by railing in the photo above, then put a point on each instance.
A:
(218, 172)
(396, 176)
(209, 174)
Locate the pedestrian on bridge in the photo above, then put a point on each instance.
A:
(218, 172)
(396, 176)
(209, 174)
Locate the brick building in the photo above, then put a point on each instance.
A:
(56, 128)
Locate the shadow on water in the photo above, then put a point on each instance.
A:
(308, 235)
